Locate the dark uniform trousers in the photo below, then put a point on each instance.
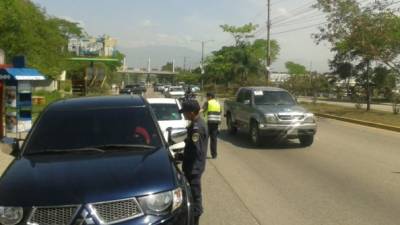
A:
(194, 161)
(213, 133)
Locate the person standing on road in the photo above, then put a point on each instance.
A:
(195, 153)
(212, 111)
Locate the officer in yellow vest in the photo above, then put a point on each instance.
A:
(212, 111)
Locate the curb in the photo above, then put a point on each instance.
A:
(360, 122)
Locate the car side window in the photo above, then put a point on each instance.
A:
(240, 96)
(247, 96)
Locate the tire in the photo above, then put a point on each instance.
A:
(231, 126)
(306, 140)
(255, 134)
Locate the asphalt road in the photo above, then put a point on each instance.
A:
(350, 176)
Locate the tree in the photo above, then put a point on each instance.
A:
(240, 34)
(167, 67)
(361, 35)
(25, 29)
(241, 63)
(295, 69)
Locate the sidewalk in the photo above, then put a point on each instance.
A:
(5, 161)
(379, 107)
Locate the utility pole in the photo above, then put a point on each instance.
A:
(184, 62)
(268, 75)
(203, 43)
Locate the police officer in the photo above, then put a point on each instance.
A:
(212, 111)
(195, 153)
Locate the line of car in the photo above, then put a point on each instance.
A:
(113, 160)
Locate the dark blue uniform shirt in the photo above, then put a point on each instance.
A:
(195, 154)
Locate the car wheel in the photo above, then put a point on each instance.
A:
(231, 126)
(255, 134)
(306, 140)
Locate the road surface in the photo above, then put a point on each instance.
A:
(350, 176)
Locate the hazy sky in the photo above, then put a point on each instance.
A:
(143, 23)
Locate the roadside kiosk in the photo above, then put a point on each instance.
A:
(16, 101)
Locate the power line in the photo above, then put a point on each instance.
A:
(299, 10)
(301, 22)
(300, 28)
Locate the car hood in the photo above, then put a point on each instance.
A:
(277, 109)
(48, 180)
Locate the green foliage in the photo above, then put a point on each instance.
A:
(26, 30)
(295, 68)
(242, 63)
(361, 35)
(167, 67)
(67, 28)
(306, 85)
(188, 78)
(240, 34)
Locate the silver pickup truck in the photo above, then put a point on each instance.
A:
(269, 112)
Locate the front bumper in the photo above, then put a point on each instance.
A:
(179, 217)
(288, 130)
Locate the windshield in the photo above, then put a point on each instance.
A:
(273, 98)
(166, 112)
(59, 130)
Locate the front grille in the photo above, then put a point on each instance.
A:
(291, 117)
(112, 212)
(53, 215)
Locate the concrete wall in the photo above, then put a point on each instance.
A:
(45, 85)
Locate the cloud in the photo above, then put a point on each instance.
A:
(283, 12)
(147, 24)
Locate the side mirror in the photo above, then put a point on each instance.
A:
(176, 135)
(246, 102)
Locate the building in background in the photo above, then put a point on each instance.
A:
(279, 77)
(91, 46)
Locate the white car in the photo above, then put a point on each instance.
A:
(175, 92)
(167, 113)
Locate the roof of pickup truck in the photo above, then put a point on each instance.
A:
(264, 89)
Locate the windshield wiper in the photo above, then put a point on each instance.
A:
(64, 151)
(124, 146)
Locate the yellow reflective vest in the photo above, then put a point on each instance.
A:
(213, 112)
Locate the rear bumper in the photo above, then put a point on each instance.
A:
(289, 131)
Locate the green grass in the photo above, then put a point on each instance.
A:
(374, 116)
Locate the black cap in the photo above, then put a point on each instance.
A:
(210, 94)
(190, 106)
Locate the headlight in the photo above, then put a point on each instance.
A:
(310, 118)
(270, 118)
(162, 203)
(10, 215)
